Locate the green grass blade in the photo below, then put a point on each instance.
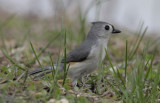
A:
(116, 73)
(126, 58)
(3, 42)
(52, 65)
(30, 63)
(38, 59)
(12, 61)
(138, 44)
(150, 66)
(65, 60)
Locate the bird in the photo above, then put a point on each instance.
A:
(84, 59)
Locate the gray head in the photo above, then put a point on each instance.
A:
(101, 29)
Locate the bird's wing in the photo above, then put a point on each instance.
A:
(79, 54)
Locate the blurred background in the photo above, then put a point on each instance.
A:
(128, 14)
(43, 23)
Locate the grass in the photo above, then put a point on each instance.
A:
(132, 91)
(135, 80)
(129, 74)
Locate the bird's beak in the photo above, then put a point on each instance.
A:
(116, 31)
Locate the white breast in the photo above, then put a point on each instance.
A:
(98, 51)
(97, 54)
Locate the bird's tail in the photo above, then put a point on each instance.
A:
(41, 72)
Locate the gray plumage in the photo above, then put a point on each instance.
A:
(80, 53)
(85, 57)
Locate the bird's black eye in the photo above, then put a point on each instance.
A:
(107, 27)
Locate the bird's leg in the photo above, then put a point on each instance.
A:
(82, 80)
(74, 82)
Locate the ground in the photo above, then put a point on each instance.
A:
(129, 73)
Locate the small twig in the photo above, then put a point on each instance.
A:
(22, 75)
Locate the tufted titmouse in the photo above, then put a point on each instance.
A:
(84, 59)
